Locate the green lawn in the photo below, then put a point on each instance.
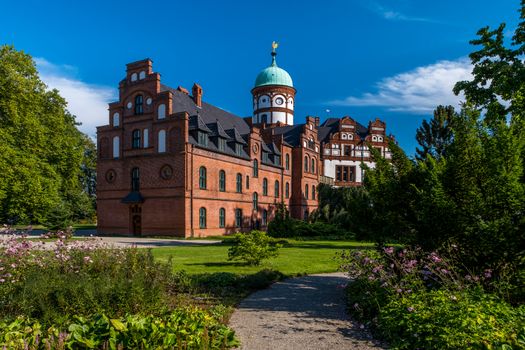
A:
(295, 258)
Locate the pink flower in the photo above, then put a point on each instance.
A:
(410, 309)
(389, 250)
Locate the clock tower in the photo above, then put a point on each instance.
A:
(273, 95)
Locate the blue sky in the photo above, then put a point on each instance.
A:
(392, 59)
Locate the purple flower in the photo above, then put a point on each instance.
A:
(487, 273)
(389, 250)
(410, 309)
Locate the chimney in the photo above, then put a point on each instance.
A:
(196, 91)
(317, 121)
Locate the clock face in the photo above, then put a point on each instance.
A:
(149, 100)
(279, 101)
(129, 105)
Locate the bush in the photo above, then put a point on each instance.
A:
(416, 299)
(442, 319)
(253, 247)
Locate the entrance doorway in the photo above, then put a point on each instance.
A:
(136, 220)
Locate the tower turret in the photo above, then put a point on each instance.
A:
(273, 95)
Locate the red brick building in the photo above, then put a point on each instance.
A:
(171, 164)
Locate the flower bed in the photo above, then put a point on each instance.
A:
(421, 300)
(86, 294)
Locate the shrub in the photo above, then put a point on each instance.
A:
(253, 247)
(443, 319)
(416, 299)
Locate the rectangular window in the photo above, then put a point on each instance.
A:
(222, 144)
(202, 138)
(352, 173)
(238, 218)
(247, 182)
(345, 173)
(238, 149)
(277, 160)
(338, 173)
(265, 157)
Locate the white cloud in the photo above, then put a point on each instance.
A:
(397, 16)
(88, 102)
(417, 91)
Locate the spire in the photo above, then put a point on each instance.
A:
(275, 45)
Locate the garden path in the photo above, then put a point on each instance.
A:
(300, 313)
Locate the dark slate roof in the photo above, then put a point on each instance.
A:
(275, 149)
(291, 133)
(265, 148)
(217, 130)
(235, 136)
(182, 102)
(331, 125)
(196, 123)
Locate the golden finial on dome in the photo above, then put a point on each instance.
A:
(275, 45)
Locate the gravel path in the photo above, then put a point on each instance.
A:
(300, 313)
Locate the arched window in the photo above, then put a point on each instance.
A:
(238, 186)
(287, 161)
(247, 182)
(145, 143)
(287, 190)
(238, 218)
(305, 163)
(135, 179)
(116, 119)
(162, 141)
(276, 188)
(222, 181)
(265, 187)
(312, 168)
(313, 191)
(255, 200)
(134, 77)
(255, 168)
(202, 217)
(116, 147)
(202, 178)
(265, 217)
(139, 104)
(264, 119)
(161, 111)
(306, 191)
(222, 218)
(135, 138)
(142, 75)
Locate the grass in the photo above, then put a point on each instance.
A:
(295, 258)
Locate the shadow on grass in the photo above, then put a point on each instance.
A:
(326, 246)
(219, 264)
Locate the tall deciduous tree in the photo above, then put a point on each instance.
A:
(41, 149)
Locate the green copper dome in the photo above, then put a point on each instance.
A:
(273, 75)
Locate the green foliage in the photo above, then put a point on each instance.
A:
(41, 150)
(418, 300)
(63, 282)
(253, 247)
(442, 319)
(283, 226)
(433, 137)
(189, 328)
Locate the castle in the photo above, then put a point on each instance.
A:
(171, 164)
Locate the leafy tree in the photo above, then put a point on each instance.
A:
(41, 149)
(434, 136)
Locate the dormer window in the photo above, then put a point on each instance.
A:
(139, 104)
(202, 138)
(221, 144)
(265, 157)
(277, 160)
(238, 149)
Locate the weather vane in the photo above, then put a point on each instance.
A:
(274, 45)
